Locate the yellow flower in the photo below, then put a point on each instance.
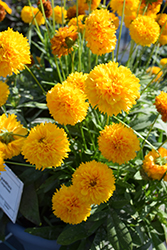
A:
(13, 137)
(67, 206)
(111, 88)
(162, 21)
(26, 14)
(114, 19)
(4, 92)
(155, 71)
(58, 12)
(144, 30)
(118, 143)
(14, 52)
(67, 104)
(63, 41)
(94, 182)
(46, 146)
(100, 32)
(154, 165)
(77, 79)
(130, 6)
(81, 25)
(163, 62)
(6, 7)
(2, 166)
(161, 105)
(29, 13)
(163, 39)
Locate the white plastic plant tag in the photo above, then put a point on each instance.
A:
(11, 188)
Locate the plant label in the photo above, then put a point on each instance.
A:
(11, 188)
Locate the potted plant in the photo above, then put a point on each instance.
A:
(84, 129)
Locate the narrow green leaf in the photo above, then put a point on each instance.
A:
(118, 233)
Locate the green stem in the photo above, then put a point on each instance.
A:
(83, 136)
(72, 59)
(120, 31)
(162, 144)
(44, 92)
(149, 132)
(53, 15)
(58, 70)
(19, 164)
(43, 13)
(61, 65)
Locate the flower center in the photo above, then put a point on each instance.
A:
(93, 183)
(6, 136)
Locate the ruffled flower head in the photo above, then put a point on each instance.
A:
(155, 165)
(14, 52)
(4, 93)
(49, 145)
(163, 62)
(161, 105)
(94, 182)
(118, 143)
(69, 207)
(150, 8)
(64, 40)
(154, 70)
(77, 79)
(144, 30)
(67, 104)
(100, 32)
(80, 26)
(112, 89)
(47, 7)
(12, 136)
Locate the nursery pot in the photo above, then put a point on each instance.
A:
(29, 241)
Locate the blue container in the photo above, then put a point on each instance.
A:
(29, 241)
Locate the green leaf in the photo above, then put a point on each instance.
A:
(48, 232)
(157, 243)
(72, 234)
(29, 205)
(100, 241)
(118, 233)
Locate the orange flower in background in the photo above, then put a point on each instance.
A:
(67, 104)
(6, 7)
(2, 13)
(144, 30)
(60, 13)
(155, 71)
(85, 4)
(100, 32)
(4, 93)
(63, 41)
(71, 11)
(112, 89)
(150, 9)
(68, 206)
(14, 52)
(12, 136)
(155, 165)
(80, 26)
(49, 145)
(118, 143)
(94, 182)
(161, 105)
(47, 7)
(130, 6)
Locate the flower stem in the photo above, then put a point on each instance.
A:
(38, 83)
(53, 15)
(19, 164)
(58, 70)
(120, 31)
